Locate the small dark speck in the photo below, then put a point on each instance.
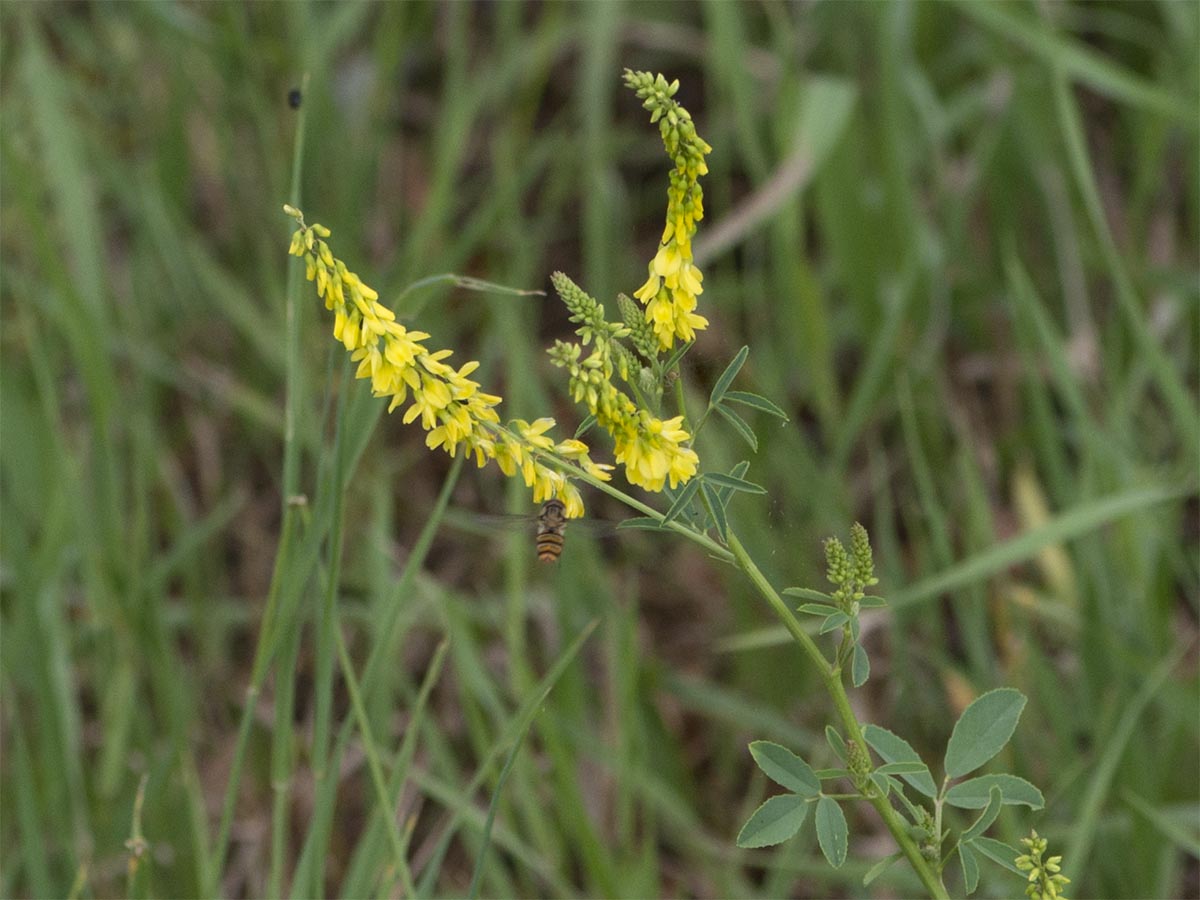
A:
(294, 98)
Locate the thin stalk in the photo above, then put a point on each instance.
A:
(681, 403)
(387, 808)
(282, 759)
(832, 676)
(291, 475)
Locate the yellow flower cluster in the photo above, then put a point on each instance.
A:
(674, 280)
(451, 408)
(652, 450)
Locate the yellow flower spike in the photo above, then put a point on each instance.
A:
(672, 266)
(451, 408)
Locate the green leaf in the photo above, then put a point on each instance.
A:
(817, 609)
(893, 748)
(998, 852)
(726, 379)
(807, 594)
(682, 501)
(739, 425)
(882, 782)
(902, 768)
(987, 817)
(870, 602)
(860, 666)
(773, 822)
(834, 622)
(785, 768)
(738, 471)
(914, 812)
(832, 834)
(585, 426)
(974, 792)
(982, 730)
(734, 484)
(756, 402)
(880, 867)
(717, 510)
(836, 742)
(970, 868)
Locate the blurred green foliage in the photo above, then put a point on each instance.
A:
(961, 241)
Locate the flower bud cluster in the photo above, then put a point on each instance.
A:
(1045, 877)
(851, 572)
(641, 333)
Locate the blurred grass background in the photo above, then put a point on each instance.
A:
(961, 241)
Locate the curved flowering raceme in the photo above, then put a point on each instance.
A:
(675, 282)
(455, 414)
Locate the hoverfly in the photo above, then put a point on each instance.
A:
(548, 524)
(551, 530)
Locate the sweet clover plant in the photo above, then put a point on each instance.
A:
(625, 373)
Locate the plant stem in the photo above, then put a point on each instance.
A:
(265, 648)
(832, 676)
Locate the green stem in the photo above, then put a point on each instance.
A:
(832, 676)
(681, 403)
(265, 649)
